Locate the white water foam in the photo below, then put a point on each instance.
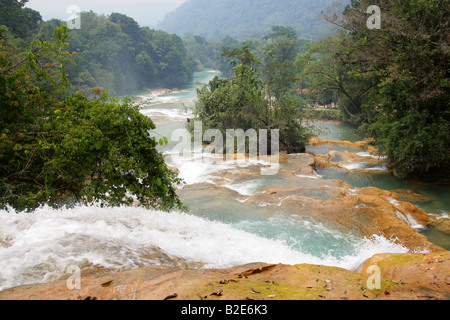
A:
(175, 114)
(359, 166)
(37, 247)
(199, 167)
(246, 188)
(196, 169)
(409, 219)
(316, 176)
(352, 166)
(370, 155)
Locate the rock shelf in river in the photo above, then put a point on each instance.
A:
(404, 277)
(367, 211)
(297, 189)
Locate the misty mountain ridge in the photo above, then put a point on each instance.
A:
(245, 19)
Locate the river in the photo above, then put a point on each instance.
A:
(225, 227)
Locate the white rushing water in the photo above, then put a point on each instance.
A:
(38, 247)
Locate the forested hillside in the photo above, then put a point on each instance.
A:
(244, 19)
(110, 52)
(61, 146)
(22, 22)
(115, 53)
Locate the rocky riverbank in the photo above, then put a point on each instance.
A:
(403, 276)
(422, 274)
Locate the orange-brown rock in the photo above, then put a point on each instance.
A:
(441, 224)
(315, 141)
(366, 211)
(410, 196)
(412, 277)
(417, 214)
(372, 191)
(323, 161)
(408, 210)
(426, 274)
(367, 215)
(348, 158)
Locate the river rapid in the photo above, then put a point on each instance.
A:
(226, 226)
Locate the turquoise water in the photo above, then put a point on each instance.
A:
(225, 227)
(323, 149)
(437, 196)
(439, 201)
(216, 201)
(333, 130)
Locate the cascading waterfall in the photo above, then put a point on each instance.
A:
(219, 231)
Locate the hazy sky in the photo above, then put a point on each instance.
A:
(145, 12)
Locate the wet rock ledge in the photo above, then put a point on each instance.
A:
(367, 211)
(403, 276)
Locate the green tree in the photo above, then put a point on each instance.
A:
(22, 21)
(222, 62)
(403, 75)
(201, 51)
(173, 62)
(335, 75)
(128, 25)
(279, 52)
(240, 102)
(58, 148)
(122, 57)
(249, 19)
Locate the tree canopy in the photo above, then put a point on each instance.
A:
(247, 19)
(393, 81)
(21, 21)
(116, 54)
(58, 147)
(250, 100)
